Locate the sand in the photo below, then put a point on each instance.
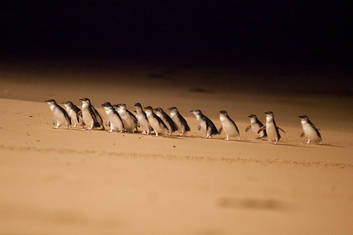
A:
(69, 181)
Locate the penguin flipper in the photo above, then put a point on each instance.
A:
(133, 117)
(79, 116)
(247, 128)
(281, 129)
(261, 129)
(183, 121)
(98, 117)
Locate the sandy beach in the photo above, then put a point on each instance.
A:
(72, 181)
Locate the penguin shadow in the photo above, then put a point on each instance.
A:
(250, 204)
(82, 129)
(330, 145)
(288, 145)
(217, 139)
(173, 136)
(246, 141)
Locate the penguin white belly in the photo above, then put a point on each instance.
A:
(155, 125)
(310, 132)
(142, 121)
(74, 117)
(127, 120)
(87, 118)
(177, 122)
(255, 128)
(229, 128)
(203, 125)
(271, 131)
(60, 117)
(115, 123)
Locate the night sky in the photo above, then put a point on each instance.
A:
(242, 31)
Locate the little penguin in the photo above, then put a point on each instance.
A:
(142, 119)
(129, 120)
(60, 117)
(205, 124)
(255, 125)
(156, 122)
(272, 129)
(310, 132)
(228, 125)
(113, 120)
(179, 120)
(74, 113)
(90, 116)
(166, 119)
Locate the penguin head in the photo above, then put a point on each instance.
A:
(148, 110)
(223, 114)
(158, 110)
(85, 102)
(252, 118)
(68, 104)
(269, 115)
(196, 112)
(107, 104)
(122, 107)
(173, 111)
(304, 118)
(50, 101)
(138, 105)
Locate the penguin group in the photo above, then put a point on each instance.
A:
(156, 121)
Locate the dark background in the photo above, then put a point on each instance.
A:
(253, 34)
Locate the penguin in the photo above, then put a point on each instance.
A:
(179, 120)
(142, 119)
(90, 116)
(228, 125)
(114, 121)
(205, 124)
(310, 132)
(129, 120)
(166, 119)
(74, 113)
(156, 123)
(255, 125)
(60, 117)
(272, 129)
